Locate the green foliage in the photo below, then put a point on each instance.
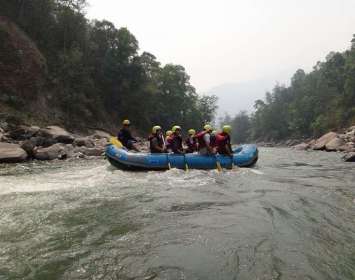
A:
(313, 104)
(95, 70)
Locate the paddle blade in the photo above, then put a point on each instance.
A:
(186, 167)
(114, 141)
(219, 167)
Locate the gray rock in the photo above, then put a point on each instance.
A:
(301, 147)
(334, 144)
(23, 132)
(322, 141)
(98, 134)
(347, 147)
(28, 146)
(101, 142)
(11, 153)
(91, 152)
(350, 157)
(56, 151)
(84, 141)
(58, 134)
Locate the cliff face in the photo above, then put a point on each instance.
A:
(22, 66)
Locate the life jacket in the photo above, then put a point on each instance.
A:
(191, 144)
(213, 140)
(159, 140)
(201, 142)
(176, 143)
(222, 139)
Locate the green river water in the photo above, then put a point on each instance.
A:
(292, 216)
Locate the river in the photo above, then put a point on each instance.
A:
(292, 216)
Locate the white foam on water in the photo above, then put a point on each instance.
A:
(64, 178)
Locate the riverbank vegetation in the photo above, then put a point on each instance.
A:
(312, 105)
(59, 67)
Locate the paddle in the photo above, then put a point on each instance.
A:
(218, 163)
(167, 155)
(169, 165)
(186, 166)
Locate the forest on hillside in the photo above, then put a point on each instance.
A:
(89, 73)
(313, 104)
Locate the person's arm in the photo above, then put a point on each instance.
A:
(156, 145)
(207, 139)
(229, 150)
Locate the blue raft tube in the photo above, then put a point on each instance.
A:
(244, 156)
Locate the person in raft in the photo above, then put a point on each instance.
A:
(156, 140)
(168, 138)
(223, 141)
(126, 138)
(204, 141)
(176, 140)
(213, 139)
(191, 142)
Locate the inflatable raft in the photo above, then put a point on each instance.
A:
(244, 156)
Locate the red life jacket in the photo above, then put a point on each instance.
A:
(201, 142)
(222, 139)
(191, 144)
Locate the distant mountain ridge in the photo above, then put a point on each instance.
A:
(241, 96)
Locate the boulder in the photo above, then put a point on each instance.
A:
(101, 142)
(301, 147)
(11, 153)
(91, 152)
(322, 141)
(29, 147)
(56, 151)
(84, 141)
(23, 132)
(334, 144)
(352, 128)
(349, 157)
(58, 134)
(98, 134)
(347, 147)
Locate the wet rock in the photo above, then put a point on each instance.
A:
(91, 152)
(301, 147)
(350, 157)
(12, 153)
(23, 132)
(101, 142)
(334, 144)
(98, 134)
(56, 151)
(29, 147)
(84, 141)
(347, 147)
(58, 134)
(322, 141)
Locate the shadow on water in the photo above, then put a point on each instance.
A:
(290, 217)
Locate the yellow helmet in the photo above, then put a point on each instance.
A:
(227, 129)
(168, 133)
(126, 122)
(192, 132)
(155, 129)
(214, 132)
(176, 127)
(207, 127)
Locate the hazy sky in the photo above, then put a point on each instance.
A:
(232, 41)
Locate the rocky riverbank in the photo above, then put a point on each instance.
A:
(21, 143)
(333, 142)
